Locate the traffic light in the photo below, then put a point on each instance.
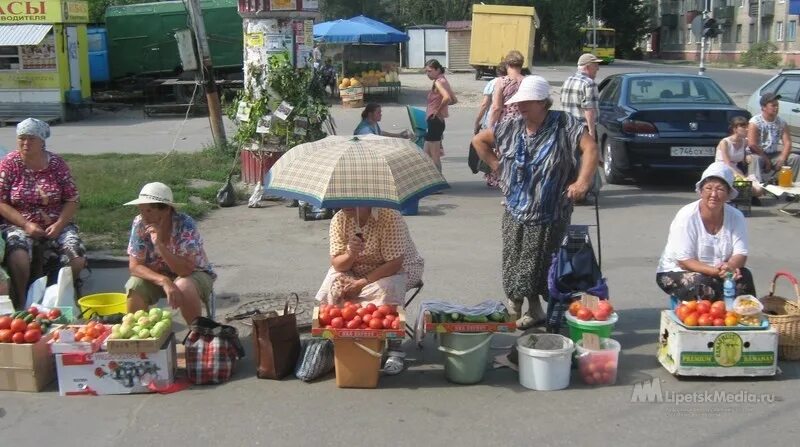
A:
(710, 29)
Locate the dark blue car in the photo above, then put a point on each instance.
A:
(652, 121)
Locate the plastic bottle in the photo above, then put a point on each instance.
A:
(729, 291)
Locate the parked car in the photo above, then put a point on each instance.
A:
(787, 84)
(654, 121)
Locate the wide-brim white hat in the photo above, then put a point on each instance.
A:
(722, 171)
(532, 88)
(155, 192)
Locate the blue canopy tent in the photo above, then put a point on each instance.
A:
(360, 29)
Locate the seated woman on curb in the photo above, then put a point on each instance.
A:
(370, 117)
(166, 256)
(38, 202)
(373, 259)
(707, 240)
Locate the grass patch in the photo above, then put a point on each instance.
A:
(107, 181)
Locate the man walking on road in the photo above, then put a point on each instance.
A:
(579, 98)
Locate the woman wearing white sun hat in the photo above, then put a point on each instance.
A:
(166, 256)
(546, 162)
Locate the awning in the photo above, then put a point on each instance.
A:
(13, 35)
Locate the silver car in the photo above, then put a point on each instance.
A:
(787, 84)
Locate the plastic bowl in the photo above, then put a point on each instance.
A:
(578, 327)
(103, 304)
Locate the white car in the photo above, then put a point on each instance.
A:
(787, 84)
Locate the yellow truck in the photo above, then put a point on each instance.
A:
(498, 29)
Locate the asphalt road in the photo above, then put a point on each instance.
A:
(268, 252)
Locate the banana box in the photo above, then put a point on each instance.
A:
(716, 353)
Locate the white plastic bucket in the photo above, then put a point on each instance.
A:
(545, 370)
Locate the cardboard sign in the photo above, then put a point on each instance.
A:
(590, 302)
(283, 111)
(591, 341)
(243, 111)
(264, 124)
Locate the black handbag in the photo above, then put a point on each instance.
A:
(576, 266)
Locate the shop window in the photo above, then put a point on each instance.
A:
(791, 31)
(39, 57)
(9, 58)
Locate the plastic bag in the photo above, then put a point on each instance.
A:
(226, 196)
(255, 198)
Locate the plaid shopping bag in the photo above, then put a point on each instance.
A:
(212, 350)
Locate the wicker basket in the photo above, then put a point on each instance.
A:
(743, 201)
(784, 315)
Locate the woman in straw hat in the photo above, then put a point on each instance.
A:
(166, 256)
(38, 202)
(546, 162)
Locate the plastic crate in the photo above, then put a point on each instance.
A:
(744, 199)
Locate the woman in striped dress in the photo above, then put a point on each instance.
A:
(546, 162)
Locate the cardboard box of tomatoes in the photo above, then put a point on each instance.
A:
(356, 320)
(26, 366)
(717, 351)
(79, 338)
(455, 322)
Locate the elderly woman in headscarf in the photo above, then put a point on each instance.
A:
(38, 202)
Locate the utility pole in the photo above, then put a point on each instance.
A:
(207, 72)
(594, 26)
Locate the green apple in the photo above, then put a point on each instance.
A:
(144, 333)
(166, 316)
(116, 327)
(128, 318)
(134, 337)
(125, 330)
(139, 314)
(136, 329)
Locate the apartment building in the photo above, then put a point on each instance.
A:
(677, 25)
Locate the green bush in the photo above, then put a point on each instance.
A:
(761, 55)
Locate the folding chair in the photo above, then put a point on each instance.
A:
(416, 288)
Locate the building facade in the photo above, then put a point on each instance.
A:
(677, 25)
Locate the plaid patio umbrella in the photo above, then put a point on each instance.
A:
(351, 171)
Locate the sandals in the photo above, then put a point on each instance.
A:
(394, 363)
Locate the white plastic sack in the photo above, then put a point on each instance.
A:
(36, 292)
(60, 294)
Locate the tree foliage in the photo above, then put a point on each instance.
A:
(630, 19)
(97, 8)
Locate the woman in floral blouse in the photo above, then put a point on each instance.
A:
(166, 256)
(38, 201)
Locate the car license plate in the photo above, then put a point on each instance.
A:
(691, 151)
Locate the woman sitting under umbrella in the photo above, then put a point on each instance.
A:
(370, 117)
(373, 259)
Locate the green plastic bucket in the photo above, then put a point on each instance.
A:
(466, 355)
(603, 329)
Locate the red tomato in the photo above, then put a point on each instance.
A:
(371, 308)
(335, 312)
(387, 323)
(358, 320)
(395, 324)
(585, 314)
(704, 307)
(353, 324)
(386, 309)
(391, 317)
(33, 310)
(5, 322)
(717, 312)
(18, 325)
(378, 314)
(705, 320)
(691, 319)
(681, 312)
(376, 323)
(34, 325)
(363, 326)
(5, 335)
(361, 311)
(348, 313)
(325, 318)
(366, 318)
(601, 314)
(53, 314)
(347, 304)
(33, 335)
(719, 322)
(18, 337)
(718, 305)
(604, 304)
(337, 322)
(323, 308)
(574, 308)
